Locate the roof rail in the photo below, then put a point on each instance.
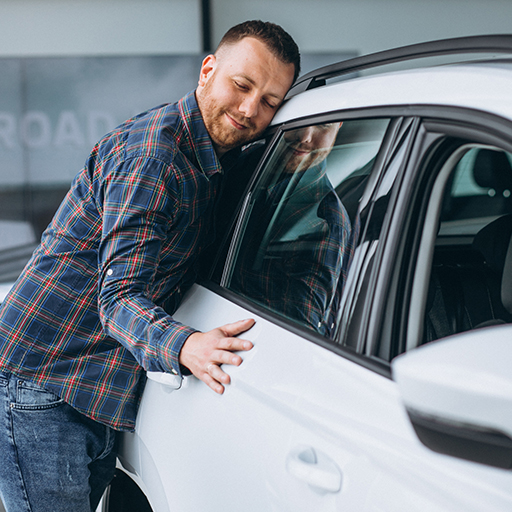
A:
(471, 44)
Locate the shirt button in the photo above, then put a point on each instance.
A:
(110, 272)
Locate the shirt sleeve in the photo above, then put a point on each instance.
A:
(141, 205)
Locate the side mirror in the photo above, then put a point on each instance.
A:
(458, 394)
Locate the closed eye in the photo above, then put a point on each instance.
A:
(269, 104)
(241, 86)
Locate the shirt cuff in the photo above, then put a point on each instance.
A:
(172, 347)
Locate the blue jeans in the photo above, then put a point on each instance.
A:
(52, 458)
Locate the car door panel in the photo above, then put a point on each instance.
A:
(299, 428)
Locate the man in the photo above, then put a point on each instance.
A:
(93, 307)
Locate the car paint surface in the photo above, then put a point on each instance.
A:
(484, 88)
(291, 402)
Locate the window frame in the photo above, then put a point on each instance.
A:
(452, 131)
(454, 120)
(246, 215)
(218, 285)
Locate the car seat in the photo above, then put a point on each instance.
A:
(474, 293)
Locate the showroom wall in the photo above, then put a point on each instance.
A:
(71, 70)
(370, 25)
(99, 27)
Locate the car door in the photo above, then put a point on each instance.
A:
(312, 419)
(267, 443)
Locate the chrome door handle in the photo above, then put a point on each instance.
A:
(169, 380)
(315, 469)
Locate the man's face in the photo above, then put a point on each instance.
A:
(309, 146)
(239, 92)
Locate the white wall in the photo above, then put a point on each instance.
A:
(368, 25)
(141, 27)
(99, 27)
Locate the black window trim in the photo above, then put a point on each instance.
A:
(379, 283)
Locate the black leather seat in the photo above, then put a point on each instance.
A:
(464, 296)
(492, 172)
(494, 242)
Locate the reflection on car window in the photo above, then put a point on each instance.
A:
(301, 225)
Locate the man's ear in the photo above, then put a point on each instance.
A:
(207, 68)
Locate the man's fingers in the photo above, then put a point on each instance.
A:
(216, 372)
(213, 384)
(233, 344)
(225, 357)
(204, 353)
(214, 377)
(236, 328)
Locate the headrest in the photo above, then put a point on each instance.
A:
(492, 169)
(492, 242)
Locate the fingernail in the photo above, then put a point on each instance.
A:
(247, 345)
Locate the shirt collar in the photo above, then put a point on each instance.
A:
(199, 138)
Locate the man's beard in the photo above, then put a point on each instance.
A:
(223, 135)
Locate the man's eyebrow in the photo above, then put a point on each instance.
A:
(251, 81)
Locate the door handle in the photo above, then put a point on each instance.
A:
(315, 469)
(169, 380)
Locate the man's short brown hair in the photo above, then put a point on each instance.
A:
(278, 41)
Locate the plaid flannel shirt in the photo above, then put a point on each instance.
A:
(93, 306)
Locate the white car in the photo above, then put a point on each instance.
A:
(378, 268)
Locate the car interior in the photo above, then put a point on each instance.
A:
(471, 273)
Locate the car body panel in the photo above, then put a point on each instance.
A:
(480, 87)
(331, 422)
(250, 449)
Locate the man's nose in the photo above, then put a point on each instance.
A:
(306, 135)
(249, 106)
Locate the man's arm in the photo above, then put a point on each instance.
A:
(140, 205)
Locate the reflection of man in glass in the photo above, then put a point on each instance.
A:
(297, 241)
(309, 146)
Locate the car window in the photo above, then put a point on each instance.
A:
(296, 240)
(451, 269)
(471, 247)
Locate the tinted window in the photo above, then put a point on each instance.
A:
(297, 237)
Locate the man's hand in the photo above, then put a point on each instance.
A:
(204, 352)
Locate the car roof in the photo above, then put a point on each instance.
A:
(482, 85)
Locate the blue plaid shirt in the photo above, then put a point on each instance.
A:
(93, 306)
